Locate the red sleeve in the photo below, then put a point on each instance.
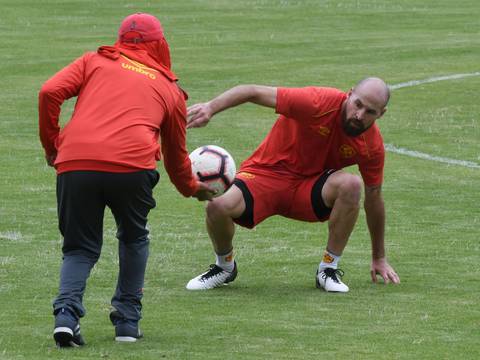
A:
(372, 170)
(175, 155)
(60, 87)
(306, 103)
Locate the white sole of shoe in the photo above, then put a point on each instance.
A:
(64, 336)
(125, 339)
(63, 329)
(321, 287)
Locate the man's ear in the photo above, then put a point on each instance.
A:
(383, 112)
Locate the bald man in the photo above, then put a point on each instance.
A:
(296, 172)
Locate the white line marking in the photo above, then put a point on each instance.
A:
(419, 155)
(11, 235)
(432, 79)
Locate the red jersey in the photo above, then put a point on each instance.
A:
(122, 109)
(308, 138)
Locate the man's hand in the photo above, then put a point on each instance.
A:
(198, 115)
(383, 268)
(204, 192)
(50, 159)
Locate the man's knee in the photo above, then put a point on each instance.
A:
(217, 208)
(231, 204)
(132, 233)
(350, 189)
(82, 249)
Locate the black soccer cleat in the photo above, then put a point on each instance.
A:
(125, 330)
(67, 329)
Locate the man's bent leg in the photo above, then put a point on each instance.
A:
(130, 200)
(220, 226)
(220, 214)
(130, 197)
(80, 215)
(341, 192)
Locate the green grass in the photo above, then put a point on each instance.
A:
(273, 310)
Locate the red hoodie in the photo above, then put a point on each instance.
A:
(126, 100)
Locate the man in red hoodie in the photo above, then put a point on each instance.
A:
(127, 98)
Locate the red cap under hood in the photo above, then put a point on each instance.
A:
(140, 38)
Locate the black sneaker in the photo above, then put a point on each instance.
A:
(214, 277)
(67, 329)
(125, 330)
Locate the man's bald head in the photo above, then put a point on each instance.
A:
(365, 103)
(375, 88)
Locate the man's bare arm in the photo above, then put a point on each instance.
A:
(200, 114)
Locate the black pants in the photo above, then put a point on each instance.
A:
(82, 197)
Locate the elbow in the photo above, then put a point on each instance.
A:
(46, 87)
(254, 92)
(262, 95)
(46, 91)
(52, 90)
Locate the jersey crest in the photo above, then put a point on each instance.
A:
(347, 151)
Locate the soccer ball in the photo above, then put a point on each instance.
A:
(213, 165)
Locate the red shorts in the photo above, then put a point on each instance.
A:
(268, 193)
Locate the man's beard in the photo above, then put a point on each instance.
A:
(351, 129)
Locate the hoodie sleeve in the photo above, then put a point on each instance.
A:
(175, 155)
(60, 87)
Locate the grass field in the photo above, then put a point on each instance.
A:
(273, 310)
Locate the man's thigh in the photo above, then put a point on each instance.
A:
(81, 208)
(130, 197)
(308, 204)
(265, 195)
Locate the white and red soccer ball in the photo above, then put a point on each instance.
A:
(214, 166)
